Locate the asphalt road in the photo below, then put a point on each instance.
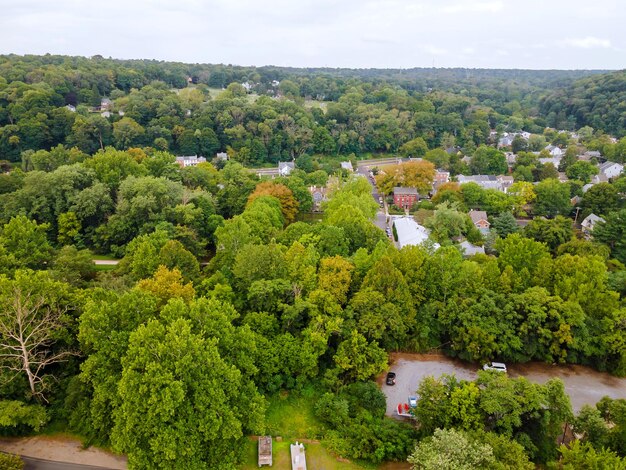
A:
(583, 384)
(38, 464)
(381, 217)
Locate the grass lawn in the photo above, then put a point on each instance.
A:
(317, 457)
(104, 257)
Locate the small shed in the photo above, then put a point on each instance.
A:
(298, 459)
(265, 450)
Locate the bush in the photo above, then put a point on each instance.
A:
(11, 462)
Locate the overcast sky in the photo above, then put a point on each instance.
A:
(537, 34)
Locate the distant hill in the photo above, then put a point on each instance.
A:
(598, 101)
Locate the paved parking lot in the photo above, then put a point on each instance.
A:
(583, 384)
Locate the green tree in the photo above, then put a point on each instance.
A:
(553, 198)
(612, 233)
(582, 171)
(451, 450)
(552, 232)
(171, 379)
(358, 359)
(25, 244)
(127, 132)
(505, 224)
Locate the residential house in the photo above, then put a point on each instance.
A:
(105, 104)
(500, 183)
(556, 161)
(347, 166)
(441, 177)
(593, 154)
(223, 156)
(405, 197)
(319, 196)
(511, 158)
(189, 160)
(506, 140)
(285, 168)
(611, 169)
(454, 150)
(470, 249)
(589, 223)
(71, 108)
(410, 232)
(554, 150)
(105, 114)
(480, 221)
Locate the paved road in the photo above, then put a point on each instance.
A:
(39, 464)
(381, 216)
(583, 384)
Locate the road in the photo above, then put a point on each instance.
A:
(583, 384)
(106, 262)
(381, 216)
(39, 464)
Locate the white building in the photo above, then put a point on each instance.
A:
(554, 150)
(500, 183)
(611, 169)
(347, 166)
(189, 160)
(285, 168)
(410, 232)
(589, 223)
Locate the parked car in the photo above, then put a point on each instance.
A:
(391, 378)
(499, 366)
(412, 401)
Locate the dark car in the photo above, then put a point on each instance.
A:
(391, 378)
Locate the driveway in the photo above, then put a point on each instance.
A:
(583, 384)
(381, 217)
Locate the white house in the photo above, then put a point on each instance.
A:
(611, 169)
(501, 182)
(469, 249)
(347, 166)
(221, 156)
(285, 168)
(554, 150)
(189, 160)
(590, 222)
(71, 108)
(410, 232)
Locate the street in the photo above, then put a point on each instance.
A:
(381, 217)
(583, 384)
(39, 464)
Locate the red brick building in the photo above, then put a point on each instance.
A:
(405, 197)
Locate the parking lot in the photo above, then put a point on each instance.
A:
(583, 384)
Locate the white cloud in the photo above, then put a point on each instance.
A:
(473, 7)
(589, 42)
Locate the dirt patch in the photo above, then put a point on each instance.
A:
(62, 449)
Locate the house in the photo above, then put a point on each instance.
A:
(248, 86)
(511, 158)
(556, 161)
(105, 114)
(554, 150)
(453, 150)
(285, 168)
(223, 156)
(298, 459)
(71, 108)
(347, 166)
(469, 249)
(441, 177)
(525, 135)
(405, 197)
(592, 154)
(562, 177)
(500, 183)
(105, 104)
(611, 169)
(319, 195)
(410, 232)
(479, 219)
(190, 160)
(265, 450)
(589, 223)
(506, 141)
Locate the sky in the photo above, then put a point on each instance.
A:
(526, 34)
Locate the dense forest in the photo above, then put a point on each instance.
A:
(230, 295)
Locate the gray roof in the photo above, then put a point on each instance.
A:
(478, 215)
(402, 190)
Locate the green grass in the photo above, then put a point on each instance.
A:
(104, 267)
(291, 415)
(317, 457)
(104, 257)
